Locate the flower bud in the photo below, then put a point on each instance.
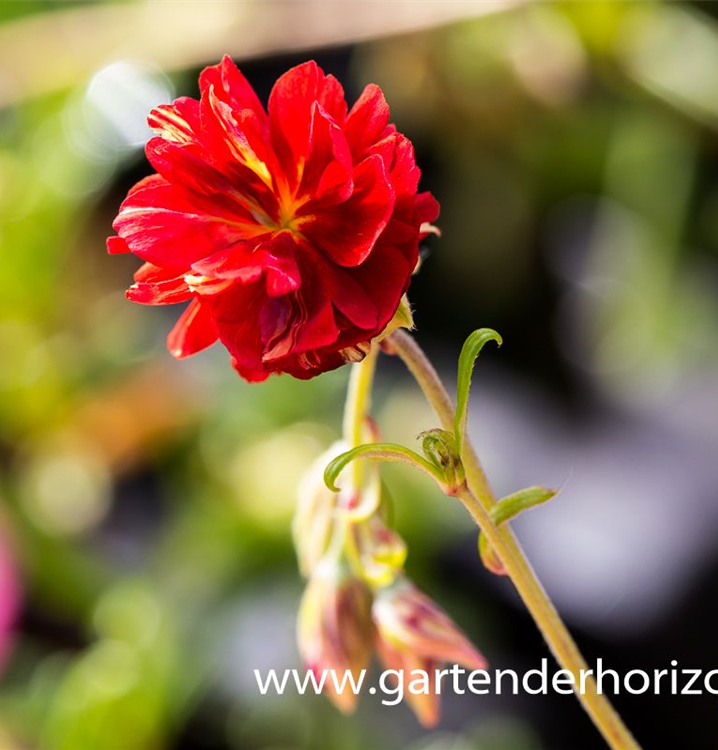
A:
(413, 632)
(335, 628)
(382, 551)
(315, 514)
(426, 704)
(440, 448)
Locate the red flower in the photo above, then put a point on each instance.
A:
(293, 231)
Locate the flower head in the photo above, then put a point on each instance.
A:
(335, 627)
(414, 633)
(292, 231)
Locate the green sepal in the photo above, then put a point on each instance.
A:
(489, 557)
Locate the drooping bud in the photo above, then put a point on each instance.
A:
(413, 632)
(425, 703)
(382, 551)
(409, 619)
(335, 628)
(315, 515)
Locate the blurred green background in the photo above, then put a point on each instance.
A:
(146, 565)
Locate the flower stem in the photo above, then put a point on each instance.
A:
(356, 409)
(478, 498)
(358, 403)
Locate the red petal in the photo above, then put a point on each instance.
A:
(393, 266)
(274, 257)
(152, 180)
(346, 232)
(290, 111)
(164, 225)
(231, 86)
(195, 330)
(158, 286)
(259, 330)
(290, 326)
(151, 274)
(398, 155)
(236, 315)
(116, 245)
(350, 297)
(189, 166)
(427, 207)
(331, 98)
(328, 169)
(367, 120)
(178, 122)
(251, 376)
(238, 143)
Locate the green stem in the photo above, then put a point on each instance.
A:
(404, 346)
(478, 499)
(358, 404)
(356, 409)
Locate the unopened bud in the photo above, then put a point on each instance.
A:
(409, 619)
(439, 447)
(335, 628)
(425, 703)
(413, 632)
(382, 551)
(315, 514)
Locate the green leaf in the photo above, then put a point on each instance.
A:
(469, 353)
(511, 505)
(381, 452)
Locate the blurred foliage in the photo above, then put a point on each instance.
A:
(148, 502)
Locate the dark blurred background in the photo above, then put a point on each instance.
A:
(146, 565)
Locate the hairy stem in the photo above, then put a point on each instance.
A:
(478, 498)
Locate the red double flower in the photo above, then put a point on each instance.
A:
(293, 232)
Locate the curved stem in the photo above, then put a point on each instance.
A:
(478, 498)
(358, 404)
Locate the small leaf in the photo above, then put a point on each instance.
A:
(469, 353)
(511, 505)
